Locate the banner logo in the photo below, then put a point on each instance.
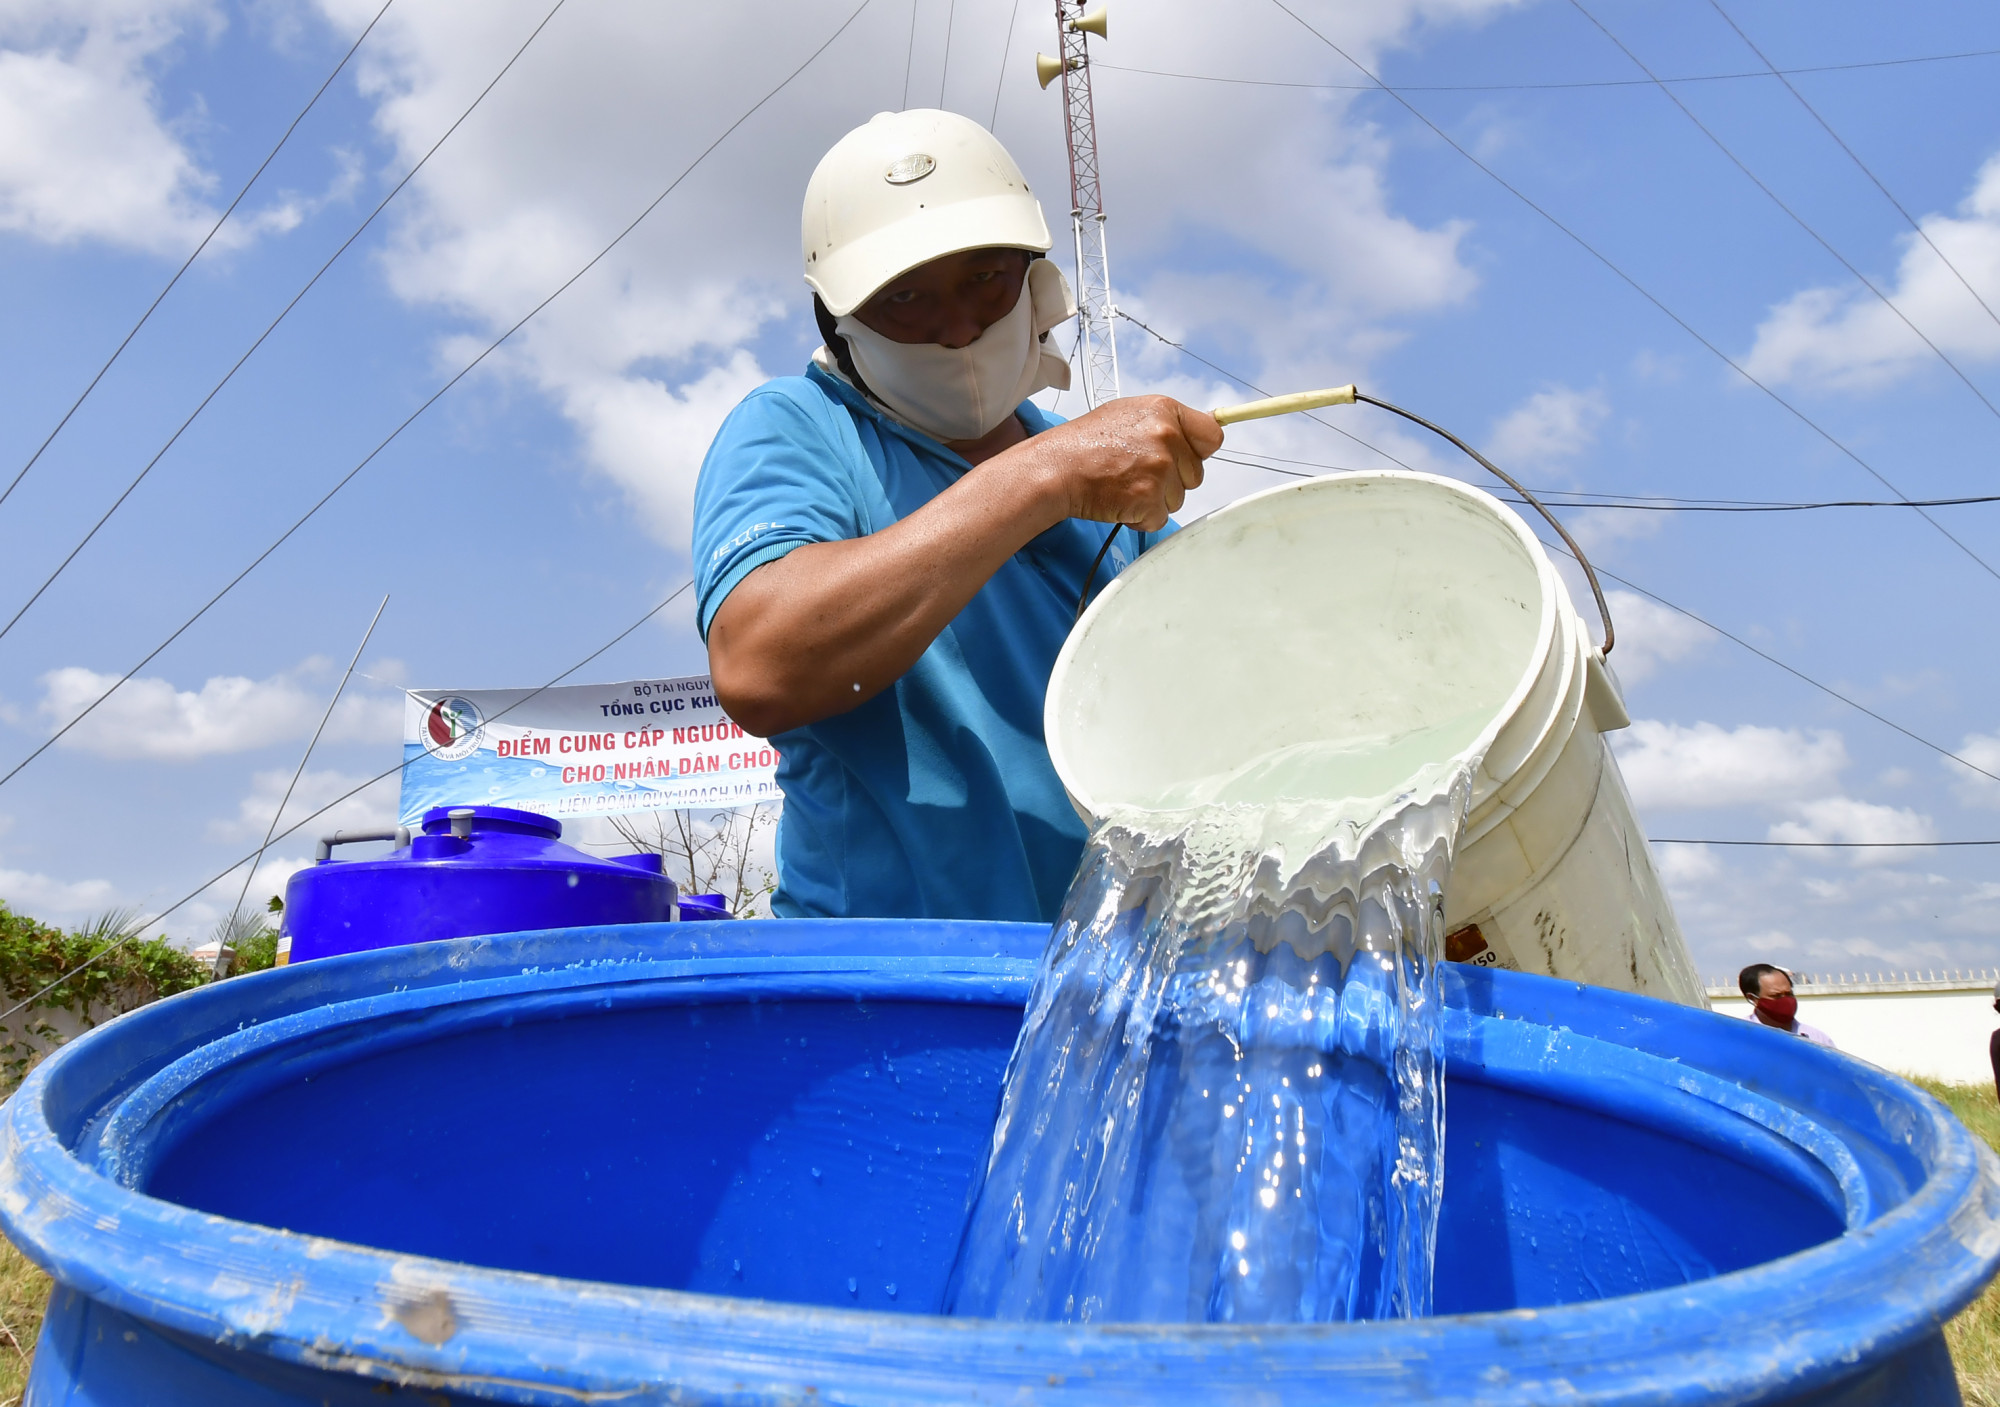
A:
(454, 726)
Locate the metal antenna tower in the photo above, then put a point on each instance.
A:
(1097, 344)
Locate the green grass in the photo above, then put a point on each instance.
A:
(1975, 1335)
(24, 1290)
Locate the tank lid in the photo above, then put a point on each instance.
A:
(491, 819)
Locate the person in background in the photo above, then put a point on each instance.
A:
(1768, 989)
(1993, 1043)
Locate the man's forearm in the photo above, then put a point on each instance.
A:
(832, 624)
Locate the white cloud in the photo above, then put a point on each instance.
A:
(650, 437)
(197, 920)
(86, 151)
(1649, 635)
(1657, 368)
(1774, 940)
(1845, 819)
(1844, 910)
(1982, 750)
(270, 879)
(56, 900)
(1978, 912)
(1844, 338)
(150, 718)
(1550, 426)
(646, 353)
(1670, 767)
(374, 808)
(1680, 866)
(1598, 529)
(1534, 443)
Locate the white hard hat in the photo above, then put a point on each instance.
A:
(906, 188)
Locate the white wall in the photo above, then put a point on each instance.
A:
(1941, 1034)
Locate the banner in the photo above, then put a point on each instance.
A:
(580, 750)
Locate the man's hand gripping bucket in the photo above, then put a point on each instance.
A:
(1408, 618)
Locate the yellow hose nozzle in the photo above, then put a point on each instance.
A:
(1283, 405)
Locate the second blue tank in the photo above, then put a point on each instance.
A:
(474, 870)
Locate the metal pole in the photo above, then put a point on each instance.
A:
(1097, 355)
(300, 771)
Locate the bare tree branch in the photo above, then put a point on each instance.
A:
(712, 855)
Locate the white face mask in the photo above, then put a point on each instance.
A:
(962, 393)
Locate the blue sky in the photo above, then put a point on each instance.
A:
(1296, 234)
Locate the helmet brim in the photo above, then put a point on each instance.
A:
(851, 275)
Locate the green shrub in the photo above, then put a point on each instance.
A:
(255, 952)
(34, 954)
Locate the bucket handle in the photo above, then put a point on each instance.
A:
(1589, 572)
(1348, 395)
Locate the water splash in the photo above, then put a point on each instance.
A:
(1226, 1101)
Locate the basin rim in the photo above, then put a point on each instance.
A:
(531, 1338)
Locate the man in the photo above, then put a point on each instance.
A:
(890, 549)
(1993, 1043)
(1768, 989)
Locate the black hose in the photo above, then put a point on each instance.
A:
(1083, 597)
(1589, 572)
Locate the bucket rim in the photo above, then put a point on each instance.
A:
(1553, 598)
(294, 1297)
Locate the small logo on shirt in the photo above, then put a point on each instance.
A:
(913, 167)
(743, 539)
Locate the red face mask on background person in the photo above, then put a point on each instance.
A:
(1781, 1008)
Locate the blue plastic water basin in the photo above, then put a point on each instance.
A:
(728, 1162)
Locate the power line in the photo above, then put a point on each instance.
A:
(1725, 507)
(1794, 215)
(1766, 72)
(1827, 127)
(1798, 674)
(1642, 291)
(1005, 48)
(213, 880)
(909, 55)
(433, 399)
(950, 18)
(1577, 498)
(300, 771)
(230, 375)
(1827, 844)
(220, 220)
(1568, 498)
(1826, 689)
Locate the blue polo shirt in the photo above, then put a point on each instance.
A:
(936, 798)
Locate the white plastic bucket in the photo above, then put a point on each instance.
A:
(1410, 617)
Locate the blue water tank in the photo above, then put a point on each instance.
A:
(473, 870)
(696, 907)
(728, 1163)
